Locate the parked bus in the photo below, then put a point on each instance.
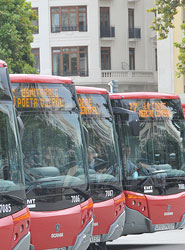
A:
(151, 132)
(55, 162)
(104, 165)
(14, 214)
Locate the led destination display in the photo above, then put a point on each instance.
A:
(87, 107)
(152, 109)
(37, 97)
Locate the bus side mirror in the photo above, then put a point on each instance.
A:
(20, 126)
(131, 117)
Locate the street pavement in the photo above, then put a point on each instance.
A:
(167, 240)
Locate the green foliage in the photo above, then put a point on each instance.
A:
(16, 35)
(165, 11)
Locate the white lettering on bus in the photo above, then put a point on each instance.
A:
(109, 193)
(57, 235)
(168, 213)
(5, 208)
(31, 203)
(75, 198)
(148, 189)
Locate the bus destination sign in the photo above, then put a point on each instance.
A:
(87, 107)
(34, 97)
(152, 109)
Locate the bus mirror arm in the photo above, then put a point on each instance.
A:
(20, 126)
(131, 117)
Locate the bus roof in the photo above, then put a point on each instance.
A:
(90, 90)
(34, 78)
(143, 95)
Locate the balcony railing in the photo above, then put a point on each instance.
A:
(134, 33)
(56, 29)
(129, 76)
(107, 31)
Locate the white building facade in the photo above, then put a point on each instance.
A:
(97, 41)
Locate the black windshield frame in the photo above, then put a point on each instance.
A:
(162, 176)
(104, 174)
(44, 190)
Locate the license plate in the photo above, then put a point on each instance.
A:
(95, 238)
(60, 248)
(163, 227)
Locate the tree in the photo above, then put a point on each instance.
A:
(165, 11)
(16, 35)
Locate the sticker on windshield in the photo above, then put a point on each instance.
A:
(31, 203)
(148, 189)
(75, 198)
(109, 193)
(181, 186)
(5, 208)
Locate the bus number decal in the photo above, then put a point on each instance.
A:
(109, 193)
(75, 198)
(5, 208)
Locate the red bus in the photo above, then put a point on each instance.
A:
(151, 134)
(55, 162)
(104, 165)
(14, 214)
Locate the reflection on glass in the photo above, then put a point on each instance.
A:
(53, 150)
(102, 154)
(10, 163)
(157, 152)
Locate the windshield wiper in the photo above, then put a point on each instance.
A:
(85, 193)
(115, 188)
(17, 200)
(150, 175)
(38, 183)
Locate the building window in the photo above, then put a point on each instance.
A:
(131, 58)
(105, 58)
(72, 18)
(131, 18)
(156, 66)
(36, 54)
(70, 61)
(36, 22)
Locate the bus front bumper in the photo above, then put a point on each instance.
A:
(24, 243)
(136, 223)
(114, 232)
(83, 239)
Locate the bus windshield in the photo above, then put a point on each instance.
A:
(153, 160)
(53, 150)
(103, 153)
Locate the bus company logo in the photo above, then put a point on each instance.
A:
(31, 203)
(168, 213)
(168, 208)
(57, 228)
(57, 234)
(148, 189)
